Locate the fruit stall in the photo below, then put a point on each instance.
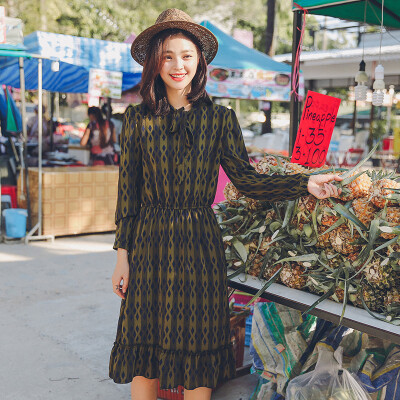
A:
(338, 258)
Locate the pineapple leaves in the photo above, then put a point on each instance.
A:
(265, 287)
(331, 290)
(240, 249)
(302, 258)
(344, 211)
(362, 162)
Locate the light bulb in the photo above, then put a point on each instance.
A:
(360, 91)
(377, 98)
(379, 86)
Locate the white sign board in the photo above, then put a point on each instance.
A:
(104, 83)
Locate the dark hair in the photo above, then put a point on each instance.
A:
(102, 124)
(152, 88)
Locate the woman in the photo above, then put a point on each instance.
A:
(101, 136)
(171, 268)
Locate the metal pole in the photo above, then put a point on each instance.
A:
(294, 102)
(38, 226)
(40, 134)
(23, 115)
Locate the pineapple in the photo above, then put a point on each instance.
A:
(341, 239)
(292, 276)
(329, 216)
(265, 246)
(380, 276)
(293, 168)
(270, 271)
(394, 249)
(231, 194)
(374, 297)
(307, 205)
(359, 187)
(323, 238)
(393, 219)
(364, 210)
(380, 189)
(256, 264)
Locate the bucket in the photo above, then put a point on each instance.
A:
(15, 222)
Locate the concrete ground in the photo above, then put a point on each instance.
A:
(59, 317)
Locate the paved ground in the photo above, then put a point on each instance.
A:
(58, 323)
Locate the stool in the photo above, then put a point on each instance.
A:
(12, 192)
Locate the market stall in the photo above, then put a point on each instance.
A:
(376, 315)
(67, 65)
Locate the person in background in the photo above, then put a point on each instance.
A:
(100, 135)
(114, 120)
(33, 125)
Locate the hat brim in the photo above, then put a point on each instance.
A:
(207, 40)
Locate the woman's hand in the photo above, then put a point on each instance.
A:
(321, 188)
(121, 274)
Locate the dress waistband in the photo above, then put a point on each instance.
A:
(175, 208)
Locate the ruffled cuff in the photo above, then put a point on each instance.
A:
(123, 234)
(303, 185)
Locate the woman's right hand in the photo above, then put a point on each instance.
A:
(120, 277)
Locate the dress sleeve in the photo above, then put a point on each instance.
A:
(235, 162)
(129, 182)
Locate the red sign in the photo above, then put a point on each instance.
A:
(315, 130)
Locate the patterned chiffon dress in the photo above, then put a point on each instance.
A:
(174, 322)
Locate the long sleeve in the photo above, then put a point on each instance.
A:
(130, 178)
(235, 162)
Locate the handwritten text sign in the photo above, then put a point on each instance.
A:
(315, 130)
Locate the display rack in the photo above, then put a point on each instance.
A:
(329, 310)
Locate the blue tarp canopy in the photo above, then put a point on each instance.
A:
(239, 71)
(77, 56)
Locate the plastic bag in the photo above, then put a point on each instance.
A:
(329, 381)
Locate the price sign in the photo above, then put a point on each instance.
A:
(315, 130)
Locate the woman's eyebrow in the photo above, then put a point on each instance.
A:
(183, 51)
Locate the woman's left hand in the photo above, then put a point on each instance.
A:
(321, 188)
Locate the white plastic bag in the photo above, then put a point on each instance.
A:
(329, 381)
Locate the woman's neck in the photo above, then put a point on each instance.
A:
(178, 99)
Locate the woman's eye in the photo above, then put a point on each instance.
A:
(188, 56)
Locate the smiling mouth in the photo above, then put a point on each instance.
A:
(177, 76)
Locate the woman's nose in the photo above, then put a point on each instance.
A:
(178, 63)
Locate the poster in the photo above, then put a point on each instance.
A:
(103, 83)
(250, 84)
(315, 130)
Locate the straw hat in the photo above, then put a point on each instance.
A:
(173, 18)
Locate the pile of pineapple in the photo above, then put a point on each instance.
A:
(347, 249)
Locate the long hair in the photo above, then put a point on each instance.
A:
(152, 88)
(102, 124)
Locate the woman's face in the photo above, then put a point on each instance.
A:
(180, 60)
(92, 118)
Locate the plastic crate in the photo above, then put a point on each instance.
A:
(238, 332)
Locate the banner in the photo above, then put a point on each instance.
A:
(250, 84)
(103, 83)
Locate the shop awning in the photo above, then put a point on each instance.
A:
(77, 56)
(238, 71)
(353, 10)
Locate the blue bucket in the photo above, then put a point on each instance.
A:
(15, 222)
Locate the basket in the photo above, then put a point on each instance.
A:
(238, 329)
